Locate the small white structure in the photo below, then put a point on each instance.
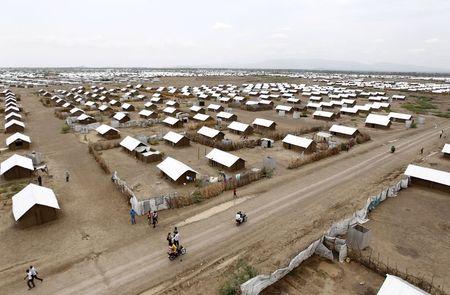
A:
(446, 149)
(298, 143)
(225, 160)
(208, 132)
(18, 137)
(374, 120)
(201, 117)
(130, 143)
(176, 170)
(16, 166)
(428, 175)
(343, 130)
(399, 116)
(396, 286)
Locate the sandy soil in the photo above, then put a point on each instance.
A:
(92, 249)
(321, 276)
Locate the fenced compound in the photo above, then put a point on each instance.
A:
(225, 145)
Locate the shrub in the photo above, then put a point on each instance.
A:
(413, 125)
(65, 128)
(242, 273)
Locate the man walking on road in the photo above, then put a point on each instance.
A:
(30, 280)
(133, 216)
(67, 176)
(39, 180)
(34, 273)
(234, 193)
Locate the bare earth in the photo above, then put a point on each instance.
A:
(92, 248)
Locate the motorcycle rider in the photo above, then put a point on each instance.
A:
(239, 217)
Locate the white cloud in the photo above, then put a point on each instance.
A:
(432, 40)
(278, 36)
(219, 26)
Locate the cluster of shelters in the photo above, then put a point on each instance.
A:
(14, 123)
(140, 150)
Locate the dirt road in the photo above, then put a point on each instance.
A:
(285, 214)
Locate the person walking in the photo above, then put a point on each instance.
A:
(234, 193)
(67, 176)
(39, 180)
(30, 280)
(133, 216)
(169, 239)
(149, 217)
(34, 273)
(442, 133)
(154, 218)
(421, 151)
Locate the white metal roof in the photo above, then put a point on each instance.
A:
(17, 136)
(74, 110)
(119, 116)
(208, 132)
(446, 148)
(171, 120)
(263, 122)
(170, 110)
(297, 141)
(201, 117)
(224, 115)
(130, 143)
(393, 285)
(343, 129)
(195, 108)
(173, 137)
(352, 110)
(378, 119)
(433, 175)
(145, 113)
(400, 116)
(13, 114)
(323, 114)
(83, 117)
(103, 107)
(173, 168)
(102, 129)
(16, 160)
(126, 106)
(222, 157)
(283, 108)
(238, 126)
(32, 195)
(214, 106)
(14, 122)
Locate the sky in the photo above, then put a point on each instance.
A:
(147, 33)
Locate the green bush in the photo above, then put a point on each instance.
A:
(242, 273)
(65, 128)
(420, 106)
(413, 125)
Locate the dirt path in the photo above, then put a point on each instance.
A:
(282, 213)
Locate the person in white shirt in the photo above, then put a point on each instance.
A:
(176, 240)
(34, 273)
(238, 217)
(30, 280)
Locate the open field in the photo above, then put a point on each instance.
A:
(92, 249)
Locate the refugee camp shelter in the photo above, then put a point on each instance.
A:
(446, 150)
(240, 128)
(16, 166)
(324, 115)
(146, 114)
(226, 116)
(34, 205)
(121, 117)
(176, 139)
(14, 126)
(264, 124)
(298, 143)
(130, 144)
(378, 121)
(127, 107)
(393, 285)
(177, 171)
(85, 119)
(202, 117)
(108, 132)
(399, 117)
(211, 133)
(197, 109)
(173, 122)
(13, 116)
(18, 141)
(429, 177)
(344, 131)
(225, 161)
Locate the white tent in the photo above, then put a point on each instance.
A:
(17, 136)
(32, 195)
(174, 168)
(429, 174)
(396, 286)
(16, 160)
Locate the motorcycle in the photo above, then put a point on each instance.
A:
(180, 252)
(244, 219)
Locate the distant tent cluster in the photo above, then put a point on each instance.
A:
(14, 122)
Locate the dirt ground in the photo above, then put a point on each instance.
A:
(411, 232)
(320, 276)
(92, 249)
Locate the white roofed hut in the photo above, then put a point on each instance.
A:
(121, 117)
(400, 117)
(211, 133)
(175, 139)
(75, 112)
(203, 118)
(324, 115)
(378, 121)
(108, 132)
(173, 122)
(130, 144)
(225, 116)
(225, 161)
(197, 109)
(240, 128)
(344, 131)
(34, 205)
(353, 111)
(263, 125)
(127, 107)
(429, 177)
(104, 108)
(177, 171)
(300, 144)
(215, 108)
(16, 166)
(18, 141)
(150, 106)
(14, 126)
(85, 119)
(146, 114)
(13, 116)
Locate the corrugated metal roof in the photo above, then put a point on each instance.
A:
(433, 175)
